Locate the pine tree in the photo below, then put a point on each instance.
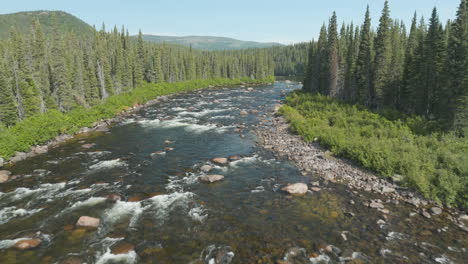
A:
(382, 61)
(458, 70)
(8, 110)
(364, 62)
(409, 71)
(333, 63)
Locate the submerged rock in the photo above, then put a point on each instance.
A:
(220, 161)
(211, 178)
(113, 198)
(87, 221)
(122, 248)
(217, 255)
(27, 244)
(88, 146)
(296, 188)
(243, 113)
(4, 175)
(436, 210)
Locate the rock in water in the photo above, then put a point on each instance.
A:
(113, 198)
(220, 161)
(206, 168)
(87, 221)
(88, 146)
(243, 113)
(296, 255)
(27, 244)
(296, 188)
(4, 175)
(122, 248)
(217, 255)
(211, 178)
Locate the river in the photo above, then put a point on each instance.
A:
(152, 160)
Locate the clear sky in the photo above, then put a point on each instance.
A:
(284, 21)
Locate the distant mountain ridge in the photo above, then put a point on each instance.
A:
(68, 23)
(209, 42)
(22, 22)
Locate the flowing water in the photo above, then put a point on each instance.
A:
(167, 216)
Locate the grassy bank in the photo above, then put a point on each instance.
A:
(435, 164)
(43, 127)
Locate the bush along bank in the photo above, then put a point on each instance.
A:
(23, 139)
(435, 164)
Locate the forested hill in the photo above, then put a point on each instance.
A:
(22, 23)
(209, 43)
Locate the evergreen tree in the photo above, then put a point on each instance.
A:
(333, 63)
(8, 110)
(382, 61)
(364, 62)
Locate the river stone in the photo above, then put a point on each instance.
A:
(426, 214)
(296, 188)
(243, 113)
(87, 221)
(19, 156)
(234, 158)
(113, 198)
(250, 89)
(41, 149)
(386, 189)
(220, 161)
(436, 210)
(217, 255)
(88, 146)
(206, 168)
(211, 178)
(376, 205)
(27, 244)
(4, 175)
(295, 255)
(315, 189)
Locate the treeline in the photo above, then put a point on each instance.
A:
(290, 60)
(63, 71)
(423, 72)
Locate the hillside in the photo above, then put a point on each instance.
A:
(209, 43)
(22, 21)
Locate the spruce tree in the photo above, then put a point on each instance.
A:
(364, 62)
(8, 110)
(333, 63)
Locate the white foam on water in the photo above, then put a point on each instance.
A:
(443, 260)
(108, 257)
(198, 214)
(43, 191)
(202, 113)
(92, 201)
(97, 154)
(320, 259)
(178, 109)
(176, 183)
(246, 160)
(395, 235)
(184, 122)
(108, 164)
(223, 117)
(9, 213)
(162, 205)
(258, 189)
(9, 243)
(123, 209)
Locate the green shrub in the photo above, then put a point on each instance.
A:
(436, 164)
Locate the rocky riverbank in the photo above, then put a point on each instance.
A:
(314, 160)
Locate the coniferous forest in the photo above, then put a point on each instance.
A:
(64, 70)
(422, 69)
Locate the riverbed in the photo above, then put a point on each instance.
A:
(141, 180)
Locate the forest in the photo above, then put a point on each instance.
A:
(61, 71)
(423, 71)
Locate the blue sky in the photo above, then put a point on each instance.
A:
(285, 21)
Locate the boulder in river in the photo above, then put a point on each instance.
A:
(296, 188)
(27, 244)
(243, 113)
(4, 175)
(234, 158)
(376, 205)
(40, 149)
(87, 221)
(113, 198)
(296, 255)
(88, 146)
(220, 161)
(122, 248)
(19, 156)
(211, 178)
(206, 168)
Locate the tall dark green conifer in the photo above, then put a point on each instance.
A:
(364, 62)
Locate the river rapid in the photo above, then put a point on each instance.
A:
(149, 164)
